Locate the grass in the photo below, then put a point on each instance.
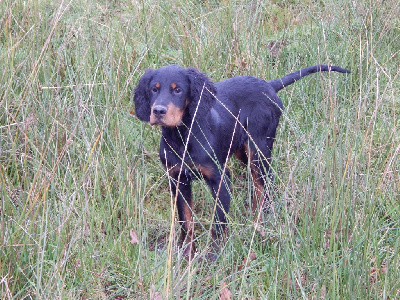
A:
(79, 174)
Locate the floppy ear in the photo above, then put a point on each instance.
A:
(141, 96)
(200, 86)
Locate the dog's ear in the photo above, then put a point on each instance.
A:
(141, 96)
(201, 89)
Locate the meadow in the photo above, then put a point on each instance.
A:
(85, 209)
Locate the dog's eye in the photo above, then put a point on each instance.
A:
(177, 90)
(154, 89)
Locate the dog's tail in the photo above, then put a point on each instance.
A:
(280, 83)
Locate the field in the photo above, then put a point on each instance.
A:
(85, 209)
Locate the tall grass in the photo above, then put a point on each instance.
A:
(80, 175)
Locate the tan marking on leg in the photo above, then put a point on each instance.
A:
(187, 238)
(173, 170)
(238, 154)
(257, 199)
(205, 171)
(246, 150)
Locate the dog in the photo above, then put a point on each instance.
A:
(204, 123)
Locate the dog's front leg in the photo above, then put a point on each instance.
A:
(220, 187)
(184, 205)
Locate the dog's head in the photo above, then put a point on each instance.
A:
(164, 96)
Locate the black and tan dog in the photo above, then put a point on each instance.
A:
(204, 123)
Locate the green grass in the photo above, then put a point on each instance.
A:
(78, 171)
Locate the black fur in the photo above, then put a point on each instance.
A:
(220, 118)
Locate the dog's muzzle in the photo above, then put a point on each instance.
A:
(157, 114)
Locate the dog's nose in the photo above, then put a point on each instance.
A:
(159, 111)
